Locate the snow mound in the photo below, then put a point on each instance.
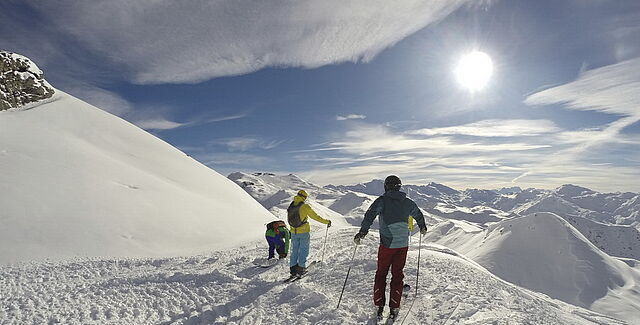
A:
(543, 252)
(77, 181)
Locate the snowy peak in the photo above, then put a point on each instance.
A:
(573, 190)
(509, 190)
(270, 189)
(21, 81)
(374, 187)
(438, 189)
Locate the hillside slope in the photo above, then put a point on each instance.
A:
(77, 181)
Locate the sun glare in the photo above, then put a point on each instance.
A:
(474, 70)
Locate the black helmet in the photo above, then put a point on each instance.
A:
(392, 183)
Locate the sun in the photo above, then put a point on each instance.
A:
(474, 70)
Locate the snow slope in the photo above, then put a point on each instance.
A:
(77, 181)
(545, 253)
(225, 288)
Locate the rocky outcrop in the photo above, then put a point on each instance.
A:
(21, 82)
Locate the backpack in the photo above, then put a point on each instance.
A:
(275, 225)
(293, 215)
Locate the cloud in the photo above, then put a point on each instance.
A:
(248, 143)
(373, 151)
(351, 117)
(151, 119)
(101, 98)
(377, 140)
(158, 124)
(611, 89)
(166, 41)
(148, 117)
(494, 128)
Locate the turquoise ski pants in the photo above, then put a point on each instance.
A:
(299, 249)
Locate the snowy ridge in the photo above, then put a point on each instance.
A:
(224, 288)
(78, 181)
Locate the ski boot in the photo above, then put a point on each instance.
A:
(393, 314)
(379, 315)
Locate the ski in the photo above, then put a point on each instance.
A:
(290, 278)
(294, 278)
(268, 265)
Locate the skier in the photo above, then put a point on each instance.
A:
(277, 236)
(394, 209)
(299, 213)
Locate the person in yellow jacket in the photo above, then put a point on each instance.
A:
(298, 214)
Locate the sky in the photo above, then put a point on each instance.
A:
(343, 92)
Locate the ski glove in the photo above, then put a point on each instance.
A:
(329, 224)
(358, 237)
(423, 231)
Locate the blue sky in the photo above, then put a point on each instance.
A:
(345, 92)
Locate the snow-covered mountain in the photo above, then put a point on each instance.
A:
(77, 181)
(224, 287)
(275, 193)
(609, 220)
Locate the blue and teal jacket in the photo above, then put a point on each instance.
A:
(394, 209)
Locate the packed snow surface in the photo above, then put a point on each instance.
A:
(77, 181)
(225, 287)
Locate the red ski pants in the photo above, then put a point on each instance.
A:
(395, 259)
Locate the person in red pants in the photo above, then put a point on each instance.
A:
(394, 209)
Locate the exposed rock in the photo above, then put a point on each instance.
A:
(21, 82)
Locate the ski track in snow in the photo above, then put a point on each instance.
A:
(227, 288)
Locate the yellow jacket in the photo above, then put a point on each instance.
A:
(305, 213)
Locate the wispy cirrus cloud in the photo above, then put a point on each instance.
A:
(372, 151)
(377, 140)
(248, 143)
(611, 89)
(494, 128)
(351, 117)
(153, 119)
(186, 42)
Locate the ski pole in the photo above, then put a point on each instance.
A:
(325, 244)
(418, 271)
(348, 271)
